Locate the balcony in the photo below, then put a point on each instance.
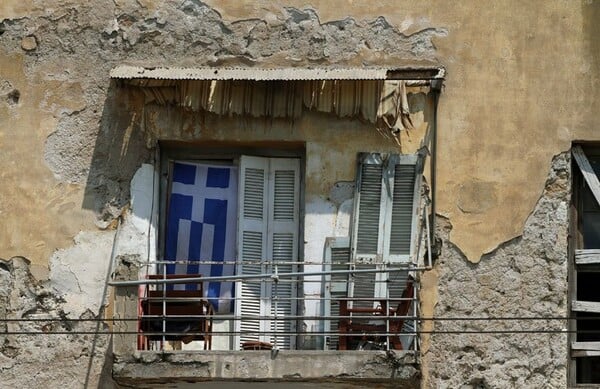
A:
(326, 322)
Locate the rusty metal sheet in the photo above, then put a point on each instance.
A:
(271, 74)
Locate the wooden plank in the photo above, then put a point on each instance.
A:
(585, 306)
(588, 346)
(587, 171)
(585, 353)
(587, 257)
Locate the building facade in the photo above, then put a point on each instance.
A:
(432, 164)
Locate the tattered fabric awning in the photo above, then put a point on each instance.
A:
(376, 95)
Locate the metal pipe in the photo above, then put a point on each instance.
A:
(436, 88)
(429, 261)
(258, 276)
(246, 262)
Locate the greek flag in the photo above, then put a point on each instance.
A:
(202, 226)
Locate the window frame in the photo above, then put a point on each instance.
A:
(581, 260)
(214, 152)
(218, 152)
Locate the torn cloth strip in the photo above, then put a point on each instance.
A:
(201, 227)
(384, 103)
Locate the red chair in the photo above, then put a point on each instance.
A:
(171, 316)
(352, 329)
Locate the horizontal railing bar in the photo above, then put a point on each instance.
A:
(282, 298)
(282, 317)
(259, 262)
(285, 281)
(517, 318)
(243, 277)
(455, 332)
(250, 333)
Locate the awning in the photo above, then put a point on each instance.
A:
(376, 95)
(281, 74)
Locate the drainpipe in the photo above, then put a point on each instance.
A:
(436, 88)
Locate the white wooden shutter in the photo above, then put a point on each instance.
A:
(386, 206)
(267, 231)
(251, 295)
(336, 257)
(403, 207)
(282, 246)
(369, 208)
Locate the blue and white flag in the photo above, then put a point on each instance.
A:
(202, 226)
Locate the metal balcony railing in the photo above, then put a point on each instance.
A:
(376, 309)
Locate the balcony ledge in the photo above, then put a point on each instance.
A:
(149, 367)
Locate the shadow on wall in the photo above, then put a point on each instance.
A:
(119, 151)
(121, 147)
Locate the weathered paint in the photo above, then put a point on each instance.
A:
(522, 84)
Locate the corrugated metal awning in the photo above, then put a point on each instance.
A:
(274, 74)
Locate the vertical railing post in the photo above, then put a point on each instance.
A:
(164, 308)
(275, 298)
(387, 310)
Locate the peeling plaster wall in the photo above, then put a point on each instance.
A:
(524, 277)
(523, 83)
(60, 360)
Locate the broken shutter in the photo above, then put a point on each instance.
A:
(268, 233)
(406, 171)
(386, 207)
(384, 226)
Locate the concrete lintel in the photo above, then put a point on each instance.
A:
(298, 365)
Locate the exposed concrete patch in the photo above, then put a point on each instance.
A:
(47, 360)
(78, 274)
(525, 277)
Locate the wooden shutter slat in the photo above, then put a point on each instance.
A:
(402, 209)
(369, 209)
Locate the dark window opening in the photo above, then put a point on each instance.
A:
(585, 268)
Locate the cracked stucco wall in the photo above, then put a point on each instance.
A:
(523, 83)
(59, 360)
(523, 278)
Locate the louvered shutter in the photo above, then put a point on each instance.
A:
(282, 246)
(405, 172)
(336, 257)
(268, 232)
(386, 207)
(252, 297)
(369, 208)
(384, 220)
